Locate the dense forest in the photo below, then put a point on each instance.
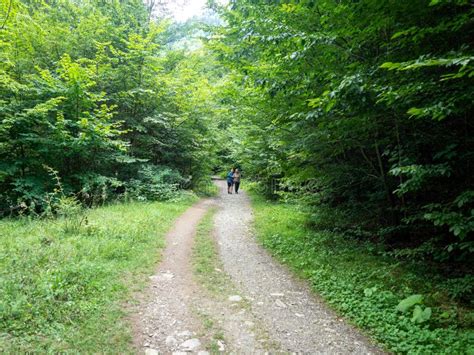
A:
(359, 111)
(364, 110)
(102, 97)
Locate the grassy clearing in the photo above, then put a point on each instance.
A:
(62, 291)
(364, 286)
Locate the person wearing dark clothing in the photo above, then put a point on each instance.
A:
(230, 180)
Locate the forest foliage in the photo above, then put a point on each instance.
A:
(362, 109)
(98, 94)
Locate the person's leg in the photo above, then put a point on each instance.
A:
(237, 184)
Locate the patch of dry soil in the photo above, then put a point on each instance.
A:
(164, 320)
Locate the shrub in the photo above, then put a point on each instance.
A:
(155, 183)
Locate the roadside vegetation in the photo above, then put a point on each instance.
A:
(108, 96)
(355, 118)
(207, 265)
(63, 283)
(407, 306)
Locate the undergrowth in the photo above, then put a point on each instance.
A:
(62, 288)
(366, 286)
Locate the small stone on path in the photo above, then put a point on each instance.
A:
(171, 341)
(299, 315)
(221, 345)
(185, 333)
(277, 294)
(164, 276)
(190, 345)
(151, 352)
(249, 324)
(235, 298)
(280, 304)
(167, 275)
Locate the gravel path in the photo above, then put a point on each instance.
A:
(293, 316)
(173, 315)
(264, 309)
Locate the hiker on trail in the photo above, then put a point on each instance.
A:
(230, 180)
(237, 180)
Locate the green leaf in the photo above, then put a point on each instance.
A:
(409, 302)
(414, 111)
(390, 65)
(445, 315)
(420, 316)
(370, 291)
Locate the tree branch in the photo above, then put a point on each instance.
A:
(8, 15)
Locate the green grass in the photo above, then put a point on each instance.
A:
(207, 267)
(362, 285)
(62, 292)
(209, 272)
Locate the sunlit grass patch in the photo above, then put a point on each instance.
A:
(62, 291)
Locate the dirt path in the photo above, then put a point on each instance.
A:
(175, 313)
(164, 319)
(265, 309)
